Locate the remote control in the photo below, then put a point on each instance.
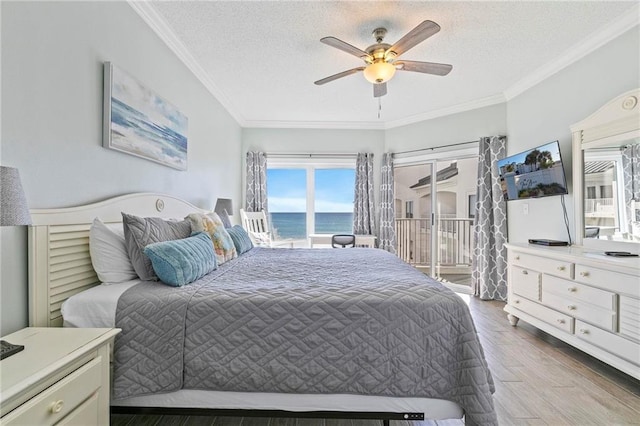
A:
(620, 254)
(7, 349)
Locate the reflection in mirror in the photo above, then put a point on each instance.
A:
(612, 192)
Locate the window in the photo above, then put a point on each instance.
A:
(307, 196)
(334, 193)
(287, 203)
(408, 210)
(606, 191)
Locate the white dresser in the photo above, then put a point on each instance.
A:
(587, 299)
(61, 377)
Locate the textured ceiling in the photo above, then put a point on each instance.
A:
(263, 57)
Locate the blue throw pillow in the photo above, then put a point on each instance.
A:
(180, 262)
(240, 239)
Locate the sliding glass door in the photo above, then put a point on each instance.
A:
(435, 208)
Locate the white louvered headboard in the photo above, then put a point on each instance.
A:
(59, 260)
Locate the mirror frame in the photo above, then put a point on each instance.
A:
(617, 121)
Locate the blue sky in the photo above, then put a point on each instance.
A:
(552, 147)
(287, 190)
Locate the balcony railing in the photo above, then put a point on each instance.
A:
(454, 238)
(599, 207)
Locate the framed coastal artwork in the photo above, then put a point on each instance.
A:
(139, 122)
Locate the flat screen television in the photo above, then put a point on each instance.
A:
(537, 172)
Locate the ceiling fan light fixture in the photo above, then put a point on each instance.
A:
(379, 72)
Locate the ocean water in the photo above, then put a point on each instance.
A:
(294, 225)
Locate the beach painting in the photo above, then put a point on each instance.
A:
(139, 122)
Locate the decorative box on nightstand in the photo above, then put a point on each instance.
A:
(61, 377)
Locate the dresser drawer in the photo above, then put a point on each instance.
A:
(630, 317)
(551, 317)
(53, 404)
(610, 280)
(85, 414)
(576, 291)
(525, 282)
(610, 342)
(545, 265)
(577, 308)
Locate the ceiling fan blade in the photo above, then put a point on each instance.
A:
(379, 90)
(424, 67)
(346, 47)
(339, 75)
(419, 34)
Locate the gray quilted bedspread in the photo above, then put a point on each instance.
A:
(355, 321)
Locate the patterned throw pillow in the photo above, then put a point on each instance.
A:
(240, 239)
(211, 224)
(181, 262)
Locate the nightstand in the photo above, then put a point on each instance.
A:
(61, 377)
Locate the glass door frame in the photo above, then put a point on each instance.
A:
(432, 159)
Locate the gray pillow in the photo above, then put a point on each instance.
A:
(224, 217)
(139, 232)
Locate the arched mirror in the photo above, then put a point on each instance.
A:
(606, 176)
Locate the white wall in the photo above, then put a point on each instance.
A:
(52, 55)
(545, 112)
(451, 129)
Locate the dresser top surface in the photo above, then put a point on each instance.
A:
(582, 255)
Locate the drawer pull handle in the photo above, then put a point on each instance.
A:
(584, 331)
(572, 289)
(584, 274)
(56, 407)
(560, 321)
(517, 257)
(571, 307)
(561, 268)
(516, 301)
(525, 272)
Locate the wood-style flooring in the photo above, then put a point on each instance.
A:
(539, 381)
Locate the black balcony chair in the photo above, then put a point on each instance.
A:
(592, 232)
(343, 240)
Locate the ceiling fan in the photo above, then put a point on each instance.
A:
(381, 58)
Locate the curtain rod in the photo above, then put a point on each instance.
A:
(439, 147)
(309, 155)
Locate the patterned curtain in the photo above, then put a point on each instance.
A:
(387, 234)
(363, 210)
(631, 172)
(256, 182)
(489, 274)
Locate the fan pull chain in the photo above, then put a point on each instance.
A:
(379, 106)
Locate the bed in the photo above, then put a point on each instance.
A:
(300, 332)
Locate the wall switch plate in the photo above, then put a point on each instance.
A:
(525, 209)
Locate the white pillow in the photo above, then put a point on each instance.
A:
(109, 254)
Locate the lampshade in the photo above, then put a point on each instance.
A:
(224, 204)
(13, 204)
(379, 72)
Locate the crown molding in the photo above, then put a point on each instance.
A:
(611, 31)
(166, 34)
